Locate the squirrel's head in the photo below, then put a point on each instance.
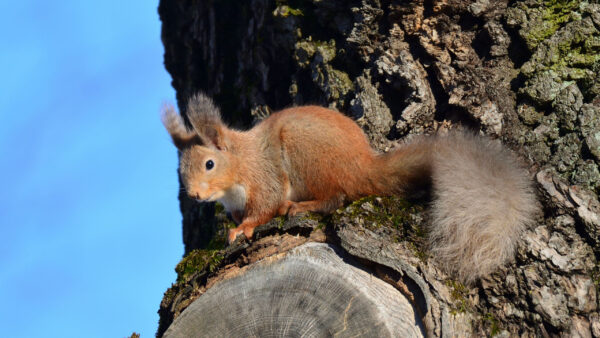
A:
(205, 166)
(205, 172)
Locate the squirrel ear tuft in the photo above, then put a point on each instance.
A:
(206, 120)
(182, 137)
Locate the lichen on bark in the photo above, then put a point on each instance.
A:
(560, 92)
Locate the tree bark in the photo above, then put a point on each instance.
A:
(525, 72)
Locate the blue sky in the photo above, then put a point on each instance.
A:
(89, 219)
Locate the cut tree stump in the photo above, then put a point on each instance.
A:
(307, 292)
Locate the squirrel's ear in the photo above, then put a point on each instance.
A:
(182, 137)
(206, 120)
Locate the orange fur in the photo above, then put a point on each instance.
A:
(314, 159)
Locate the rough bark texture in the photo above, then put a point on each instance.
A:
(525, 72)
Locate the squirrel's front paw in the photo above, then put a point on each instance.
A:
(247, 231)
(233, 233)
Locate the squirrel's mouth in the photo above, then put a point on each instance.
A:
(203, 200)
(212, 197)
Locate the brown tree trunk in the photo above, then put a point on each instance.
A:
(526, 72)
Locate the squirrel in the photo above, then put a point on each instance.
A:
(310, 158)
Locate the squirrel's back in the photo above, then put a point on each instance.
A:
(324, 152)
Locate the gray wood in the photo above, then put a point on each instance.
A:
(308, 292)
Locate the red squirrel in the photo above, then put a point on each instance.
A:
(311, 158)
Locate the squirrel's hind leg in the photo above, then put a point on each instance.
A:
(320, 206)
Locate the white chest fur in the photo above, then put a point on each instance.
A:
(234, 198)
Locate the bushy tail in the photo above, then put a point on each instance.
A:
(482, 200)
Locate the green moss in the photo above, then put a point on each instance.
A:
(576, 48)
(418, 251)
(321, 226)
(377, 213)
(559, 11)
(316, 57)
(572, 61)
(322, 220)
(339, 83)
(217, 243)
(306, 49)
(539, 34)
(554, 14)
(304, 52)
(459, 295)
(169, 294)
(219, 208)
(591, 43)
(285, 11)
(529, 114)
(326, 49)
(493, 324)
(197, 261)
(312, 216)
(565, 45)
(280, 221)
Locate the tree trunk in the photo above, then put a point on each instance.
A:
(525, 72)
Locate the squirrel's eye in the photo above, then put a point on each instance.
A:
(209, 164)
